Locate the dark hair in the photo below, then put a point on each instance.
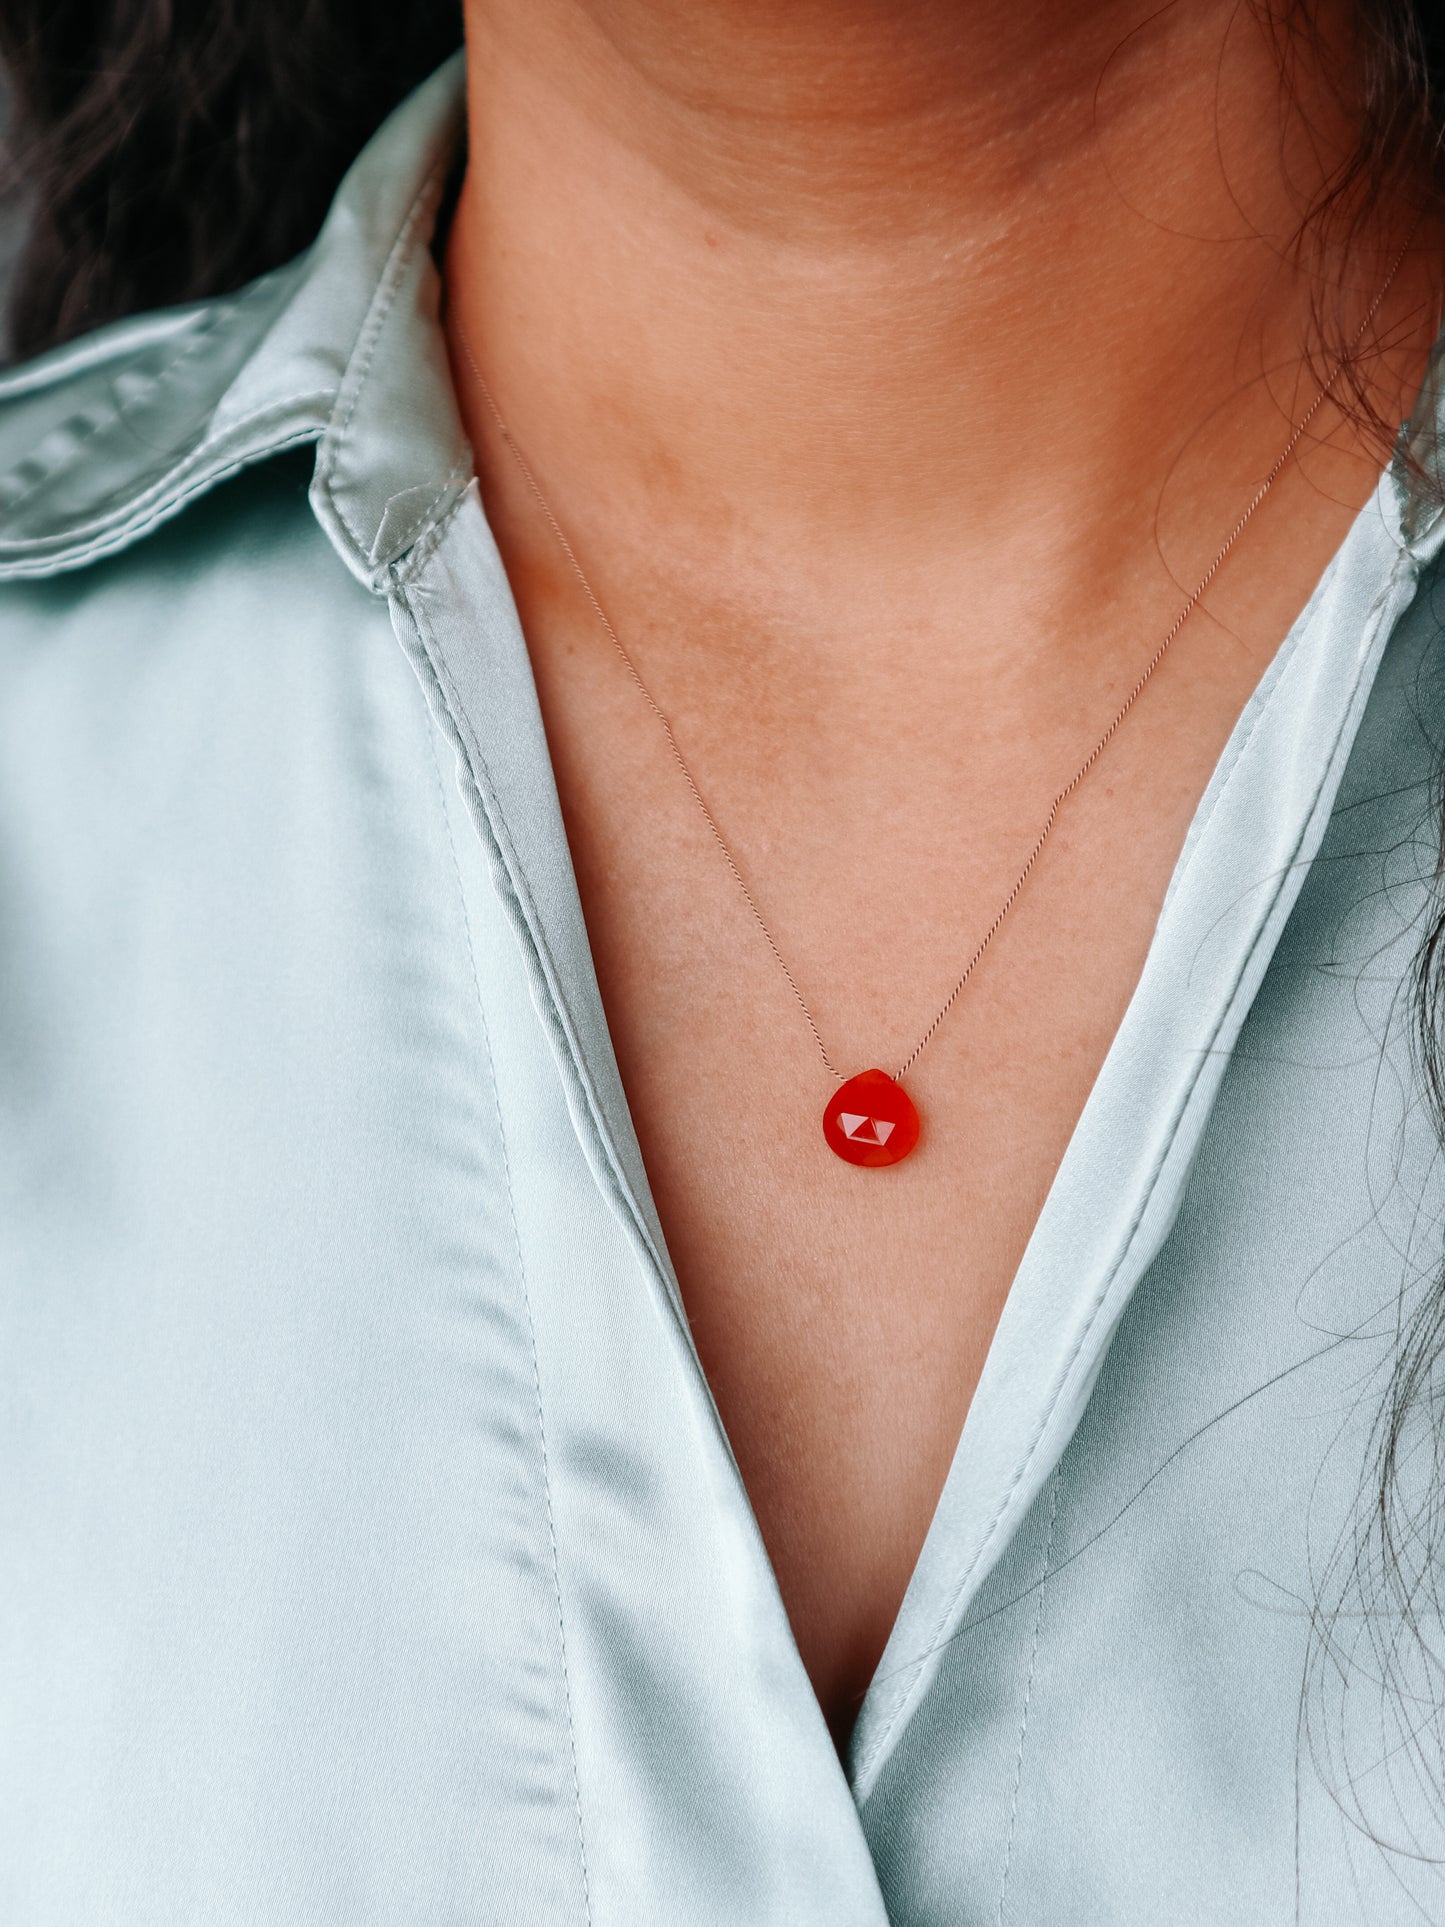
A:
(174, 149)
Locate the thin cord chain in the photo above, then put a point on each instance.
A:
(534, 488)
(687, 776)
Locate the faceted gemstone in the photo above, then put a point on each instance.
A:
(870, 1120)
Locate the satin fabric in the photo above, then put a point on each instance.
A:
(370, 1549)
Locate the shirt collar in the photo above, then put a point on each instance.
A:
(105, 437)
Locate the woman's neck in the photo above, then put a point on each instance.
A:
(837, 266)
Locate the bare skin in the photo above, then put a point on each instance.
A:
(896, 366)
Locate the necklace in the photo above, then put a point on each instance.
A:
(870, 1120)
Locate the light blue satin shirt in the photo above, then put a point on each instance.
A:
(370, 1549)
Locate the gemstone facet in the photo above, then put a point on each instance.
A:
(870, 1120)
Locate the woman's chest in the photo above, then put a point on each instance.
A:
(843, 1314)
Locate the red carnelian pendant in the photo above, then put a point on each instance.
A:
(870, 1120)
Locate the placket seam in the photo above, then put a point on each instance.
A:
(499, 834)
(531, 1325)
(1044, 1572)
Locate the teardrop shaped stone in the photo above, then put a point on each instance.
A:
(871, 1121)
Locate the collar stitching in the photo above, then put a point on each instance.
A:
(111, 413)
(174, 483)
(404, 570)
(367, 343)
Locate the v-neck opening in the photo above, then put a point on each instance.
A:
(1034, 1384)
(967, 1530)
